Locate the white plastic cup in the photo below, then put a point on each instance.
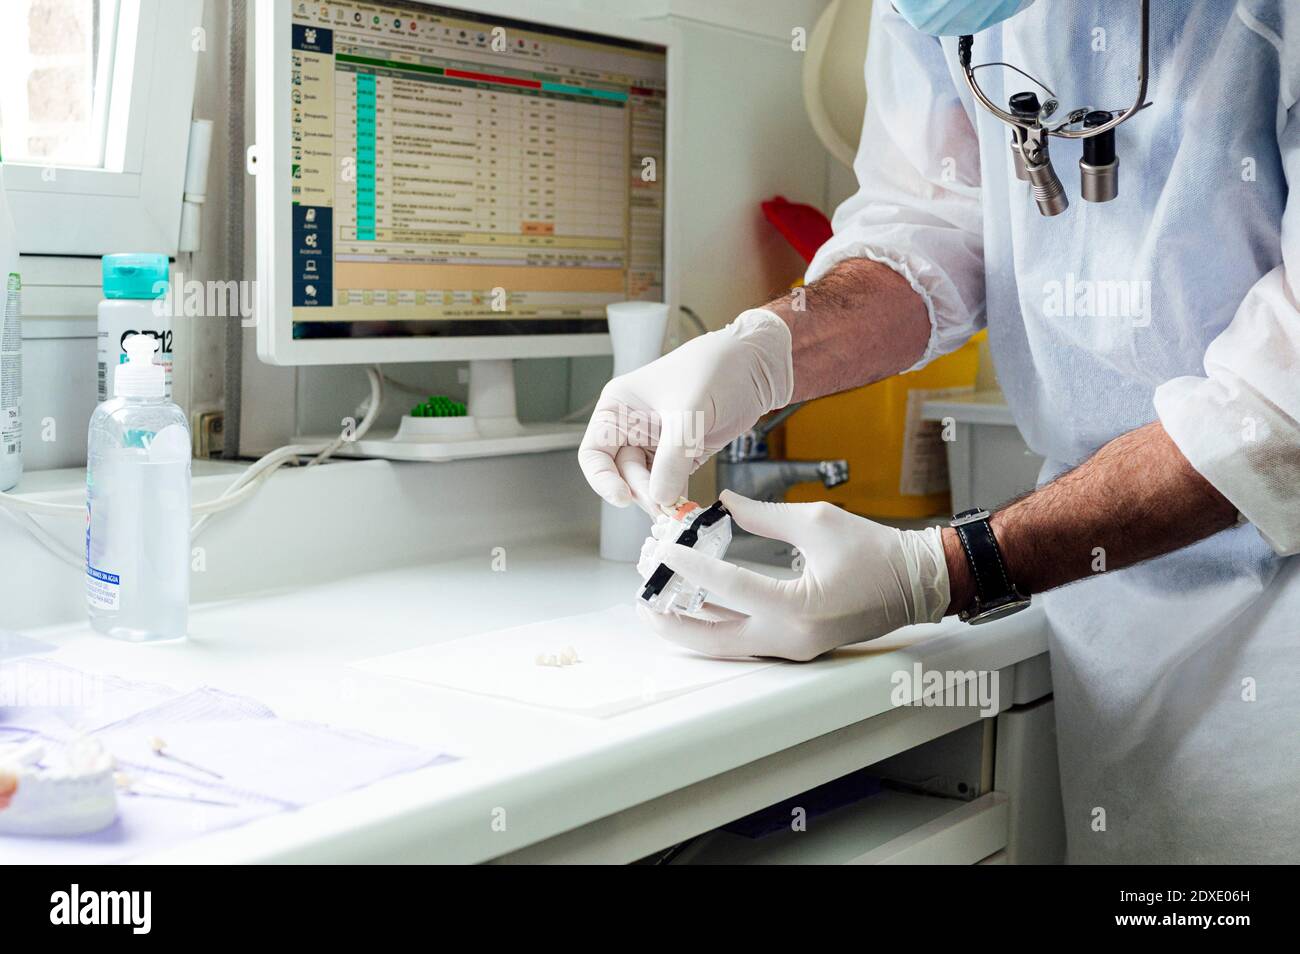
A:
(636, 329)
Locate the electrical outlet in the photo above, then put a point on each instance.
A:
(208, 434)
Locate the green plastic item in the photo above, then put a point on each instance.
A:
(439, 405)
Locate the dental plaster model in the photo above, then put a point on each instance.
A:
(69, 791)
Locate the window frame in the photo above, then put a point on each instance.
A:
(132, 202)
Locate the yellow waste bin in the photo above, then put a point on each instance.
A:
(898, 467)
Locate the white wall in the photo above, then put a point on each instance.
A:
(59, 385)
(744, 138)
(310, 525)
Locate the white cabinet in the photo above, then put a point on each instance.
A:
(1003, 803)
(1027, 771)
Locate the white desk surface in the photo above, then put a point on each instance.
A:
(550, 771)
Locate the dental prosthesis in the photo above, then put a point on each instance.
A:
(706, 529)
(568, 656)
(70, 791)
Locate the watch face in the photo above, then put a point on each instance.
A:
(998, 612)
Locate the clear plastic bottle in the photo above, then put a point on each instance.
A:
(135, 302)
(138, 506)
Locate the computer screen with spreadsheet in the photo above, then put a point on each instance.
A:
(460, 174)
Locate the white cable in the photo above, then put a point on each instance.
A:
(43, 536)
(24, 511)
(26, 505)
(239, 490)
(404, 387)
(578, 415)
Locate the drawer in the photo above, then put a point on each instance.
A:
(891, 827)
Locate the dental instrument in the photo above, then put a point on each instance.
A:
(159, 748)
(129, 785)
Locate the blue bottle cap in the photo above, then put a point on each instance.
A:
(135, 275)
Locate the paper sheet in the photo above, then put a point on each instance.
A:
(624, 665)
(59, 702)
(14, 644)
(258, 756)
(267, 764)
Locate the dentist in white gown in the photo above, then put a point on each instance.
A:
(1169, 417)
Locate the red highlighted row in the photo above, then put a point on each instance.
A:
(490, 78)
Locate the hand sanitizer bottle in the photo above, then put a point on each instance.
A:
(138, 505)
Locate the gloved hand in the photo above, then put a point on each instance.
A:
(860, 580)
(653, 428)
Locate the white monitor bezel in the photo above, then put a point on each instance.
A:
(275, 341)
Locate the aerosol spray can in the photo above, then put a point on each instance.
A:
(11, 352)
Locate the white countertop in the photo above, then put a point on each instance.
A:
(550, 771)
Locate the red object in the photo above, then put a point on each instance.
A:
(803, 226)
(493, 78)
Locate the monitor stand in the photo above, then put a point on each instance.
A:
(491, 428)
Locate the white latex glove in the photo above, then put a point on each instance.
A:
(653, 427)
(860, 580)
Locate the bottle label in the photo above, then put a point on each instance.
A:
(11, 370)
(103, 590)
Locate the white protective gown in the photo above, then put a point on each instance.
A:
(1177, 682)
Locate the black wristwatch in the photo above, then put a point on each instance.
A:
(995, 595)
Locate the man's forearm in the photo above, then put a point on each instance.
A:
(1135, 499)
(858, 323)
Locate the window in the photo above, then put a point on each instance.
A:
(95, 104)
(53, 104)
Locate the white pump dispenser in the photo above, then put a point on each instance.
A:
(140, 376)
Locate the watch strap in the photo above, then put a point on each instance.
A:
(992, 584)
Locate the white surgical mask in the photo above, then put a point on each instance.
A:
(957, 17)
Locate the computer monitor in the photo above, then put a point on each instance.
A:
(450, 182)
